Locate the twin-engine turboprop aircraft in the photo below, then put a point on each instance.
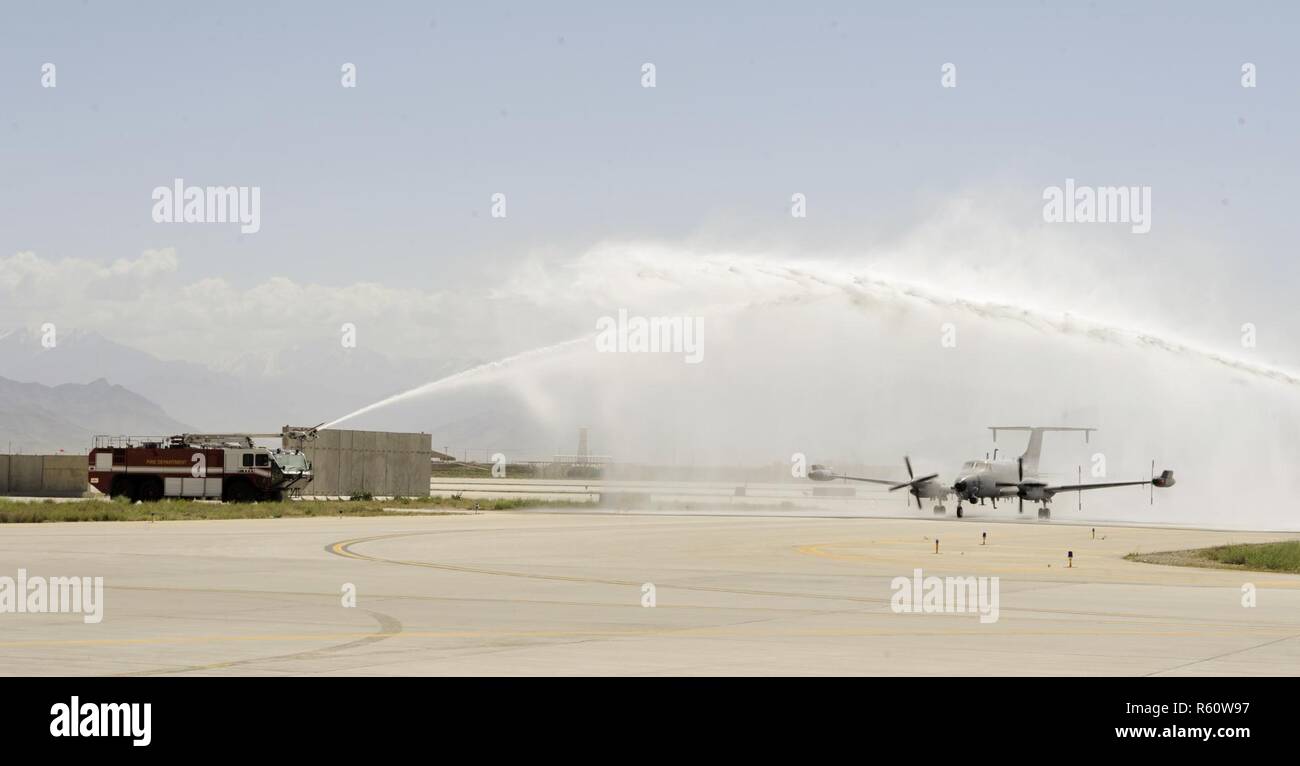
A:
(978, 480)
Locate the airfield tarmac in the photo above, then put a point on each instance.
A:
(538, 593)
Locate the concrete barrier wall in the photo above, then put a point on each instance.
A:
(380, 463)
(66, 475)
(347, 465)
(325, 464)
(409, 464)
(44, 475)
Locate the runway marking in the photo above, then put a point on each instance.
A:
(923, 627)
(412, 597)
(344, 548)
(1224, 654)
(1212, 578)
(389, 626)
(971, 631)
(1148, 626)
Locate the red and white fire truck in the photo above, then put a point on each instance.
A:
(229, 467)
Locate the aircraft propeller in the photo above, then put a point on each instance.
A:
(913, 482)
(1020, 468)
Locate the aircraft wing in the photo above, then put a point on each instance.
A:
(1165, 479)
(1103, 485)
(889, 482)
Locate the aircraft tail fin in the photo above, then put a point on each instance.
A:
(1035, 447)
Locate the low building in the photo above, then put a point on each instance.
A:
(376, 463)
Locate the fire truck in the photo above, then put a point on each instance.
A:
(228, 467)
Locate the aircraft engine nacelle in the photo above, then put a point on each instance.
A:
(931, 490)
(821, 473)
(1034, 492)
(1165, 479)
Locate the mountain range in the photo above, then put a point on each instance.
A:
(59, 398)
(36, 418)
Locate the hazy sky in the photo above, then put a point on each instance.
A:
(822, 333)
(391, 182)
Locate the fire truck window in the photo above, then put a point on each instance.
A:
(263, 461)
(248, 461)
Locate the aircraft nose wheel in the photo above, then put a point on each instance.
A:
(1044, 513)
(939, 510)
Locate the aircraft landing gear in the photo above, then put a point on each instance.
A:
(959, 511)
(1044, 513)
(939, 510)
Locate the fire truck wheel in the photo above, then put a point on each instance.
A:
(239, 491)
(149, 490)
(122, 486)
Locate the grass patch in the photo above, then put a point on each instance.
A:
(1256, 557)
(13, 512)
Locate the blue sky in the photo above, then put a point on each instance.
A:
(391, 182)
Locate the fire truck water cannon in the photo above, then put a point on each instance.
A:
(300, 435)
(229, 467)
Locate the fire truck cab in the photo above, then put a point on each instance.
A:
(215, 466)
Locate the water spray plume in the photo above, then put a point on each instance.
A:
(846, 363)
(1064, 323)
(866, 291)
(480, 372)
(818, 282)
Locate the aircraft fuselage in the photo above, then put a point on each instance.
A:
(979, 479)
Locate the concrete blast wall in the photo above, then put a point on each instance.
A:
(348, 463)
(44, 475)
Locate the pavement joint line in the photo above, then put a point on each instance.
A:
(344, 548)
